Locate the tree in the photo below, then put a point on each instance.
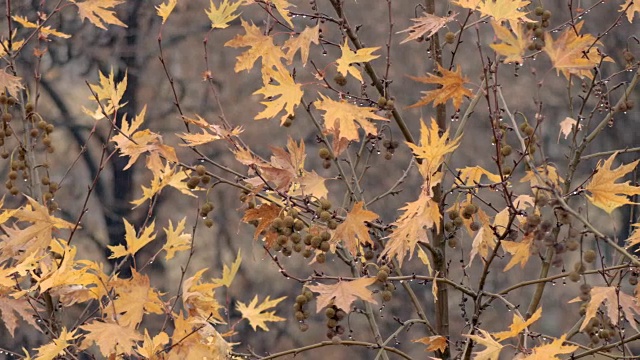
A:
(421, 187)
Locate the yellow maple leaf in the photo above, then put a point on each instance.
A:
(410, 227)
(605, 192)
(223, 14)
(502, 10)
(547, 172)
(109, 93)
(493, 348)
(616, 303)
(283, 8)
(57, 346)
(36, 237)
(229, 273)
(133, 142)
(261, 46)
(471, 176)
(451, 87)
(199, 298)
(573, 54)
(166, 177)
(195, 338)
(567, 126)
(44, 30)
(210, 132)
(484, 241)
(258, 315)
(353, 231)
(302, 42)
(165, 9)
(151, 347)
(551, 350)
(10, 82)
(631, 7)
(435, 343)
(514, 44)
(111, 338)
(634, 239)
(343, 293)
(311, 184)
(177, 239)
(134, 243)
(99, 12)
(343, 116)
(521, 251)
(433, 147)
(518, 325)
(425, 26)
(349, 57)
(132, 299)
(469, 4)
(286, 95)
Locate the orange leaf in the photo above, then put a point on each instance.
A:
(353, 231)
(264, 213)
(426, 26)
(451, 87)
(343, 116)
(605, 192)
(222, 15)
(258, 314)
(99, 12)
(343, 293)
(111, 338)
(134, 243)
(435, 343)
(513, 46)
(349, 57)
(568, 55)
(551, 350)
(518, 325)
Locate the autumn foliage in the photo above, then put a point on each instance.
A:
(462, 266)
